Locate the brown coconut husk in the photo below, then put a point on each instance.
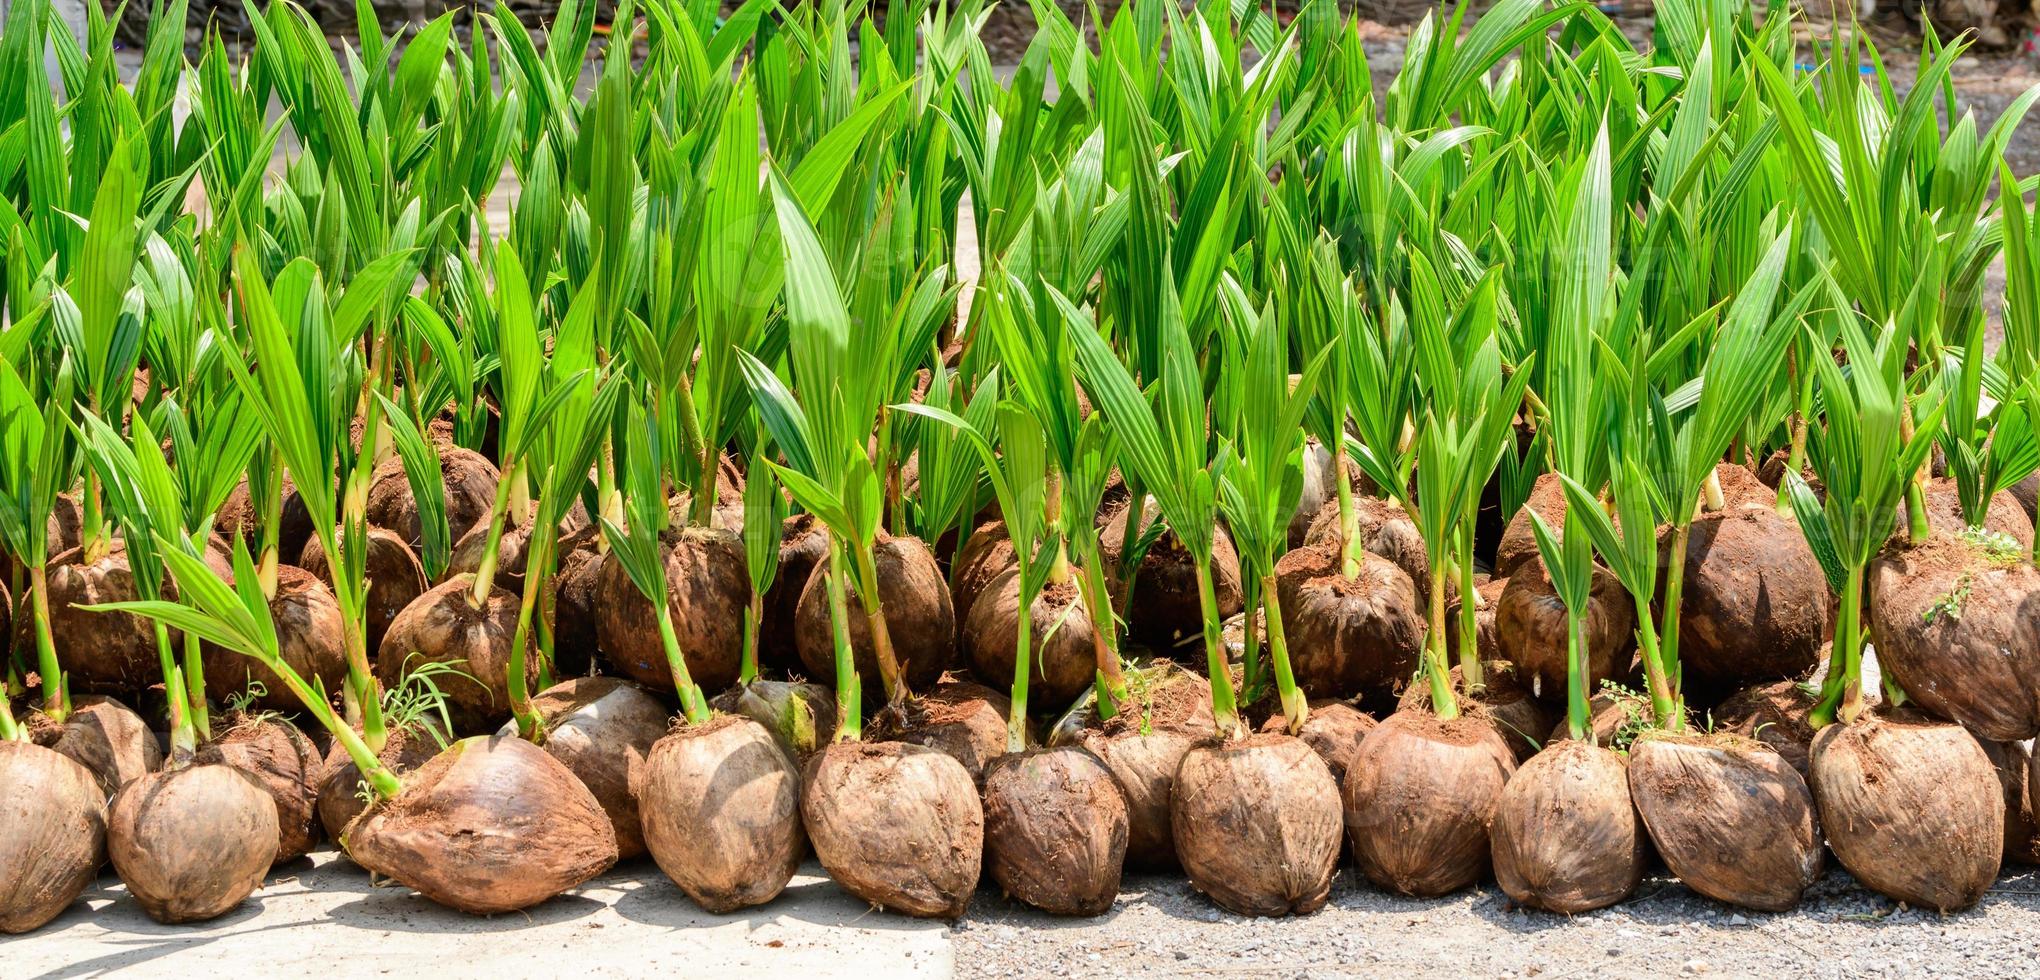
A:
(919, 617)
(1487, 644)
(238, 517)
(577, 601)
(192, 843)
(1530, 624)
(1063, 650)
(1165, 611)
(2002, 515)
(1958, 630)
(601, 729)
(1257, 824)
(1503, 702)
(109, 653)
(1055, 830)
(1729, 817)
(470, 492)
(1320, 486)
(1386, 530)
(1912, 808)
(1774, 714)
(340, 784)
(52, 834)
(1144, 764)
(1613, 719)
(442, 627)
(707, 591)
(722, 813)
(310, 636)
(1347, 636)
(2026, 493)
(800, 716)
(897, 825)
(106, 737)
(1565, 837)
(1755, 605)
(1419, 798)
(2014, 764)
(512, 548)
(284, 763)
(490, 825)
(395, 578)
(962, 719)
(803, 547)
(1518, 545)
(984, 558)
(1333, 729)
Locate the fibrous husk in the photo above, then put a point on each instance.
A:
(801, 716)
(470, 492)
(1486, 644)
(52, 834)
(2014, 764)
(601, 729)
(240, 517)
(192, 843)
(577, 601)
(897, 825)
(1729, 816)
(1257, 824)
(1165, 610)
(110, 653)
(1912, 808)
(984, 558)
(395, 578)
(1385, 530)
(1775, 714)
(1348, 636)
(1419, 798)
(1755, 605)
(803, 547)
(919, 617)
(1320, 486)
(340, 786)
(1565, 836)
(1530, 625)
(721, 805)
(1518, 546)
(284, 763)
(1333, 729)
(1503, 701)
(310, 636)
(962, 719)
(2027, 493)
(106, 737)
(443, 626)
(1612, 719)
(2002, 515)
(1144, 764)
(490, 825)
(707, 591)
(1063, 648)
(1960, 631)
(1055, 830)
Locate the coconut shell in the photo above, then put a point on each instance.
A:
(52, 834)
(1348, 636)
(1912, 808)
(1145, 766)
(238, 517)
(1774, 714)
(1333, 729)
(1385, 530)
(721, 808)
(2014, 764)
(110, 653)
(1530, 623)
(310, 634)
(470, 481)
(1958, 631)
(490, 825)
(1418, 800)
(443, 627)
(1165, 610)
(962, 719)
(897, 825)
(601, 729)
(800, 716)
(287, 767)
(511, 550)
(803, 546)
(1257, 824)
(918, 613)
(1063, 648)
(340, 788)
(1729, 817)
(106, 737)
(192, 843)
(707, 591)
(395, 578)
(1055, 830)
(1565, 836)
(1755, 604)
(984, 558)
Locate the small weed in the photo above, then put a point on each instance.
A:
(1950, 605)
(2002, 549)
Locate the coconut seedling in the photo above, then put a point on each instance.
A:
(896, 823)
